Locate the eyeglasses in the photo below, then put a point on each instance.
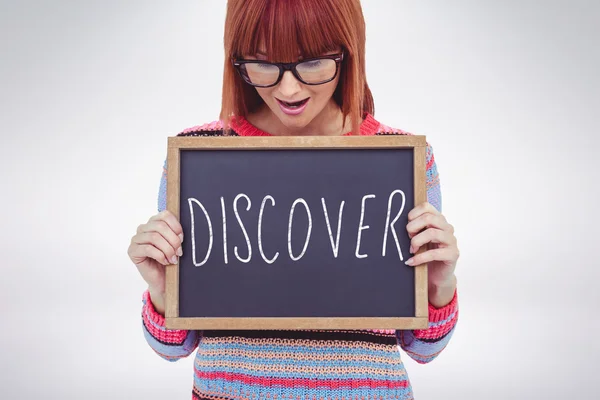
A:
(311, 71)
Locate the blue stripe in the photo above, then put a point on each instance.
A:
(424, 350)
(220, 386)
(283, 374)
(295, 349)
(266, 362)
(442, 322)
(183, 350)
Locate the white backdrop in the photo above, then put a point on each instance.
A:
(505, 92)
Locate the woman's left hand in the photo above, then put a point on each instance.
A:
(427, 226)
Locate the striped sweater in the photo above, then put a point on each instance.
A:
(301, 364)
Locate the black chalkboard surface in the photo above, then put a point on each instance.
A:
(295, 232)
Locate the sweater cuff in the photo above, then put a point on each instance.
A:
(438, 314)
(155, 323)
(441, 320)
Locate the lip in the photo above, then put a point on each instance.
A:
(292, 111)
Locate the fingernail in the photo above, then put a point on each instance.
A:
(179, 252)
(412, 250)
(174, 260)
(410, 261)
(181, 236)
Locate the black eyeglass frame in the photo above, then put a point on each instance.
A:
(338, 58)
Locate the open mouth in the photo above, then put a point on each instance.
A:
(294, 105)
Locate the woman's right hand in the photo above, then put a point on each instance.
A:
(156, 244)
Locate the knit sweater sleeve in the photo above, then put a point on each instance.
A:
(170, 344)
(424, 345)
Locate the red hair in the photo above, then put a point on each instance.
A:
(311, 26)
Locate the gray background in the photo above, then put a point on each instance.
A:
(506, 92)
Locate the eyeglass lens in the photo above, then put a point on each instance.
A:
(314, 71)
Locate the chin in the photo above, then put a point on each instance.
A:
(294, 121)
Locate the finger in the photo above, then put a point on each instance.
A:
(169, 218)
(427, 220)
(143, 251)
(420, 209)
(431, 235)
(157, 240)
(447, 254)
(165, 230)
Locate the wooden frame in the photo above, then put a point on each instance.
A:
(178, 144)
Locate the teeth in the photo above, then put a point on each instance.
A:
(293, 105)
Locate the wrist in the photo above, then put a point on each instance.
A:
(449, 282)
(157, 298)
(441, 293)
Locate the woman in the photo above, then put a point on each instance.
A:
(298, 68)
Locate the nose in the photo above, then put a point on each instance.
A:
(289, 85)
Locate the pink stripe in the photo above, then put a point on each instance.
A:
(431, 161)
(438, 315)
(155, 323)
(303, 382)
(385, 331)
(210, 126)
(438, 331)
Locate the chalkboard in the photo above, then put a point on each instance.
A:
(295, 232)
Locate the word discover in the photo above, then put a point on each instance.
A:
(389, 226)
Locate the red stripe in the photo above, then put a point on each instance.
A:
(431, 161)
(437, 315)
(303, 382)
(155, 323)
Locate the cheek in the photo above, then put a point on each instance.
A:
(321, 93)
(265, 94)
(326, 91)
